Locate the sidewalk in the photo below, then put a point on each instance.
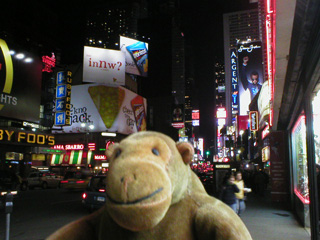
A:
(267, 220)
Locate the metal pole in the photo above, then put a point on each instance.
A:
(7, 226)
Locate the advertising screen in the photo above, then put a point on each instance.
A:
(103, 66)
(136, 53)
(250, 73)
(106, 108)
(20, 83)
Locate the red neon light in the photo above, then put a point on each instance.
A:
(303, 199)
(195, 114)
(92, 146)
(48, 63)
(270, 37)
(100, 157)
(265, 132)
(102, 190)
(108, 143)
(301, 119)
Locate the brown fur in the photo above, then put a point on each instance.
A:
(179, 208)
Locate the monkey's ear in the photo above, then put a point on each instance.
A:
(186, 151)
(111, 149)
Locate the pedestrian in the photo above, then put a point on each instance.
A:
(241, 195)
(228, 190)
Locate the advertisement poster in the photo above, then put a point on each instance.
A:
(136, 53)
(250, 73)
(20, 83)
(103, 66)
(107, 108)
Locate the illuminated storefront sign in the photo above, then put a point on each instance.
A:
(178, 125)
(270, 47)
(221, 113)
(265, 154)
(63, 98)
(195, 114)
(69, 147)
(25, 137)
(100, 157)
(234, 82)
(265, 132)
(254, 119)
(92, 146)
(48, 63)
(223, 166)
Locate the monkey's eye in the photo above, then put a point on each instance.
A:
(118, 152)
(155, 151)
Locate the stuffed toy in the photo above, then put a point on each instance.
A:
(152, 193)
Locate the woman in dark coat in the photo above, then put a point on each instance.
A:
(228, 190)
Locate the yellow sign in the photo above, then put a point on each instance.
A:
(9, 68)
(7, 135)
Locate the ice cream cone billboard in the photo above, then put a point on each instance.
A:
(107, 108)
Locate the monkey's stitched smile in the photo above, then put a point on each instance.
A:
(137, 200)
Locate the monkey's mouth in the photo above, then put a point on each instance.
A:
(137, 200)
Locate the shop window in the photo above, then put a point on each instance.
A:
(299, 157)
(316, 127)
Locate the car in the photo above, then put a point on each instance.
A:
(40, 179)
(94, 196)
(75, 180)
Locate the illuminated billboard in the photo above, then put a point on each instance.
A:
(250, 73)
(20, 77)
(136, 54)
(234, 82)
(106, 108)
(178, 116)
(103, 66)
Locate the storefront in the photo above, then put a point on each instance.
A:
(295, 103)
(20, 149)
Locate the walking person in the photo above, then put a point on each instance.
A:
(228, 190)
(240, 196)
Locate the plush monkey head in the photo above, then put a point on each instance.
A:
(148, 172)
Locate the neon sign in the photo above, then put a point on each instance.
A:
(265, 132)
(48, 63)
(100, 157)
(92, 146)
(69, 147)
(253, 118)
(270, 37)
(234, 82)
(195, 114)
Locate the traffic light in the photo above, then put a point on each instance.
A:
(208, 152)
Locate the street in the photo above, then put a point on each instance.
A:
(37, 213)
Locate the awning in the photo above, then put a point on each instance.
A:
(56, 159)
(74, 157)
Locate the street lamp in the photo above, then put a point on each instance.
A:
(87, 126)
